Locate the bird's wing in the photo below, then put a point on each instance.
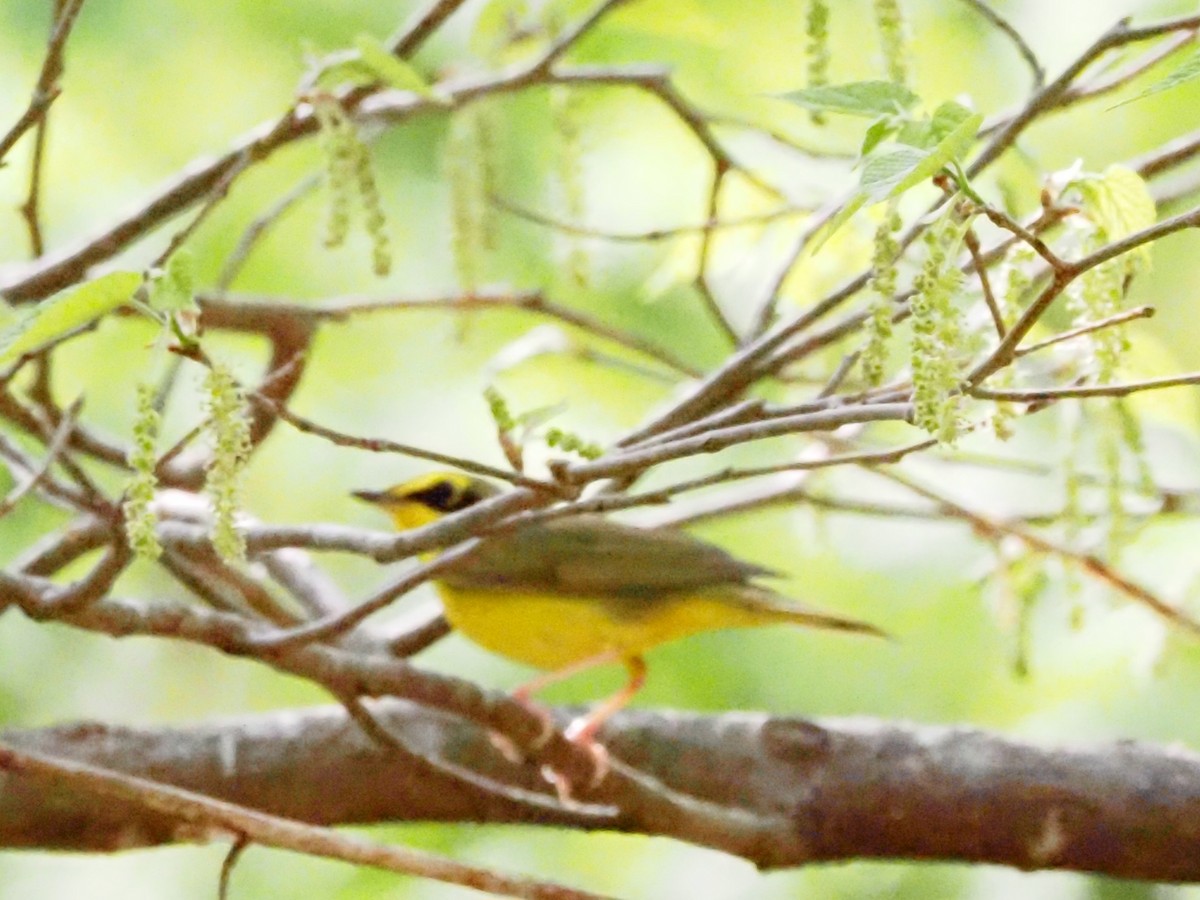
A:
(591, 555)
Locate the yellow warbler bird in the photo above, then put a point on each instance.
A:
(573, 593)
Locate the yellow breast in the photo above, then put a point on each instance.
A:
(551, 631)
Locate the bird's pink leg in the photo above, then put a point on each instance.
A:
(583, 730)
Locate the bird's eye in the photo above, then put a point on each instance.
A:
(440, 496)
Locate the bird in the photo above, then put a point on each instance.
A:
(573, 593)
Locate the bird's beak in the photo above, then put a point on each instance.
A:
(375, 497)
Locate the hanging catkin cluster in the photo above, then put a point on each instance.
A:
(350, 173)
(140, 519)
(229, 432)
(938, 337)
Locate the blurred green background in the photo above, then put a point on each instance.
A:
(152, 84)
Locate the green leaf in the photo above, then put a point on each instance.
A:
(928, 133)
(174, 288)
(883, 173)
(879, 131)
(946, 118)
(67, 311)
(895, 172)
(861, 98)
(347, 69)
(1189, 70)
(843, 216)
(916, 133)
(1119, 202)
(393, 70)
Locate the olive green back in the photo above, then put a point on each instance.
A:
(589, 555)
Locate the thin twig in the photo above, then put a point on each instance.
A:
(413, 35)
(1055, 94)
(258, 228)
(1005, 27)
(381, 445)
(573, 35)
(703, 259)
(246, 309)
(985, 283)
(652, 235)
(342, 623)
(1036, 395)
(236, 849)
(641, 458)
(425, 628)
(46, 89)
(218, 193)
(58, 442)
(994, 530)
(1129, 315)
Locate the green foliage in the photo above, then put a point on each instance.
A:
(173, 294)
(1107, 438)
(174, 288)
(508, 31)
(507, 424)
(394, 71)
(63, 313)
(1115, 204)
(1188, 71)
(899, 151)
(867, 99)
(890, 173)
(1119, 203)
(140, 519)
(375, 221)
(228, 426)
(370, 63)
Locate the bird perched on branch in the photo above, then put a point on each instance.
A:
(578, 592)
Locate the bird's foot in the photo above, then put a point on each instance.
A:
(505, 745)
(563, 787)
(581, 733)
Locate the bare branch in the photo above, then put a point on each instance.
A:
(46, 89)
(832, 789)
(182, 807)
(1037, 395)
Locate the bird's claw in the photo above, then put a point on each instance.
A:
(508, 749)
(580, 734)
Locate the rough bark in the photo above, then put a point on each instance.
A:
(818, 790)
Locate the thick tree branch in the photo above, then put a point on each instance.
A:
(831, 790)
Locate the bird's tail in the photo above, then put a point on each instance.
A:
(765, 606)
